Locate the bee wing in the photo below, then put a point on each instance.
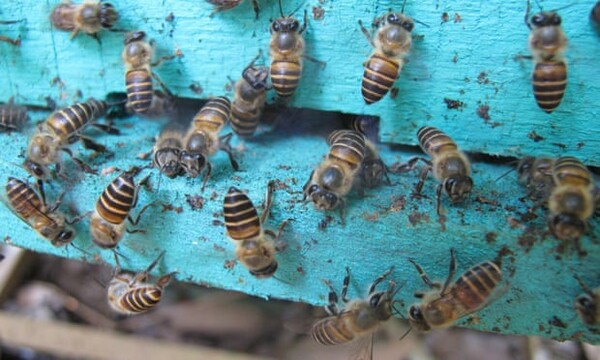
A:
(41, 213)
(500, 290)
(362, 348)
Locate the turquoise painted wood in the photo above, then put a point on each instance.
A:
(384, 228)
(469, 58)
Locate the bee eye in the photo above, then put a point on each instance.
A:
(294, 26)
(408, 26)
(276, 26)
(585, 302)
(415, 313)
(392, 18)
(374, 300)
(556, 20)
(313, 188)
(538, 19)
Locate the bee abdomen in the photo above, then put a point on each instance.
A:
(434, 141)
(380, 74)
(63, 17)
(241, 217)
(22, 198)
(347, 146)
(139, 90)
(549, 84)
(117, 200)
(474, 287)
(142, 299)
(12, 117)
(244, 122)
(569, 170)
(285, 76)
(214, 114)
(71, 119)
(331, 331)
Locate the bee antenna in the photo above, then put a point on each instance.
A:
(81, 249)
(281, 9)
(280, 279)
(405, 334)
(298, 8)
(155, 262)
(561, 8)
(420, 22)
(537, 2)
(403, 5)
(506, 173)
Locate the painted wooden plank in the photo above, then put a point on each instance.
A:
(469, 58)
(385, 228)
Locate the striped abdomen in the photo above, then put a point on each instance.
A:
(380, 74)
(285, 76)
(213, 115)
(139, 90)
(241, 217)
(68, 121)
(472, 290)
(570, 171)
(22, 198)
(141, 299)
(117, 200)
(347, 146)
(12, 117)
(244, 121)
(433, 141)
(549, 84)
(332, 330)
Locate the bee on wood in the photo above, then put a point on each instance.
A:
(221, 5)
(255, 246)
(373, 170)
(571, 202)
(47, 221)
(249, 99)
(202, 139)
(535, 173)
(547, 42)
(332, 180)
(89, 17)
(167, 148)
(62, 128)
(137, 56)
(130, 294)
(587, 305)
(12, 117)
(107, 223)
(391, 44)
(358, 319)
(445, 304)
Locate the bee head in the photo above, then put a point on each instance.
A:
(167, 161)
(416, 319)
(545, 19)
(322, 199)
(567, 227)
(36, 170)
(192, 162)
(458, 187)
(108, 15)
(285, 24)
(399, 19)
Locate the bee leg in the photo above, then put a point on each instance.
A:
(303, 28)
(136, 220)
(366, 33)
(423, 275)
(379, 279)
(422, 176)
(106, 128)
(527, 10)
(206, 175)
(438, 200)
(345, 285)
(74, 33)
(82, 165)
(165, 279)
(585, 288)
(177, 54)
(256, 8)
(331, 308)
(56, 204)
(451, 272)
(280, 245)
(225, 146)
(343, 211)
(96, 37)
(90, 144)
(160, 83)
(268, 202)
(15, 42)
(40, 186)
(315, 60)
(78, 218)
(143, 276)
(306, 186)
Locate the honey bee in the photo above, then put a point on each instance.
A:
(221, 5)
(89, 17)
(166, 152)
(373, 170)
(391, 44)
(595, 14)
(12, 117)
(249, 99)
(202, 139)
(332, 180)
(587, 305)
(287, 49)
(547, 42)
(130, 295)
(30, 207)
(359, 318)
(571, 202)
(255, 246)
(137, 56)
(536, 174)
(443, 305)
(107, 223)
(62, 128)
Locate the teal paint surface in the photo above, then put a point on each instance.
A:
(384, 228)
(471, 60)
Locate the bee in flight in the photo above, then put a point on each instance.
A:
(359, 318)
(221, 5)
(202, 139)
(89, 17)
(256, 246)
(131, 294)
(445, 304)
(391, 44)
(12, 117)
(547, 42)
(587, 305)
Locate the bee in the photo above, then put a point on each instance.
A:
(332, 180)
(89, 17)
(249, 99)
(587, 305)
(443, 305)
(62, 128)
(137, 56)
(12, 117)
(129, 294)
(595, 14)
(358, 319)
(287, 49)
(256, 246)
(547, 42)
(536, 174)
(391, 44)
(373, 170)
(202, 139)
(166, 152)
(47, 221)
(571, 202)
(221, 5)
(107, 223)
